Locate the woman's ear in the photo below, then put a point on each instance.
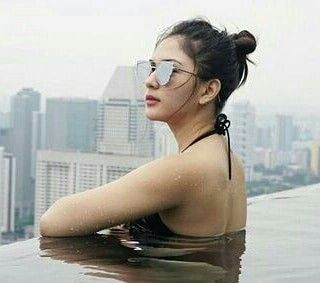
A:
(214, 87)
(211, 90)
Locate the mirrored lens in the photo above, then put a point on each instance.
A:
(143, 70)
(163, 72)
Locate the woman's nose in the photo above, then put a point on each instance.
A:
(151, 81)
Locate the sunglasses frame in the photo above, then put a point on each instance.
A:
(174, 68)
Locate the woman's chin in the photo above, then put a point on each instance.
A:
(152, 116)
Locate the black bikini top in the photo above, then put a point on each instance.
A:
(221, 127)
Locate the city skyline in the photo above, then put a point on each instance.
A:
(72, 49)
(269, 154)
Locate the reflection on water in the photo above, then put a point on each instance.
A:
(150, 258)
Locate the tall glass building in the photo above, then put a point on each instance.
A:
(23, 104)
(71, 124)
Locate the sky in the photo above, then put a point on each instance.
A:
(71, 48)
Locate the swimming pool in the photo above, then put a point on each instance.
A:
(280, 244)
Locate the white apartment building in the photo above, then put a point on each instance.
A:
(60, 174)
(242, 133)
(7, 191)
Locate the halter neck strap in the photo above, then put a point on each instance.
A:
(221, 128)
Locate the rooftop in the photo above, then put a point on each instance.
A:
(280, 244)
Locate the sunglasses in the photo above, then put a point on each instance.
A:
(163, 70)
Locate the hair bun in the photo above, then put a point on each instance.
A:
(245, 42)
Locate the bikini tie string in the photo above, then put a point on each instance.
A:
(221, 127)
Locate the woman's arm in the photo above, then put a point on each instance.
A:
(155, 186)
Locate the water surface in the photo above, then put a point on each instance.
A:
(280, 244)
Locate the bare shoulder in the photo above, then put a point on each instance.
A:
(211, 161)
(175, 165)
(206, 172)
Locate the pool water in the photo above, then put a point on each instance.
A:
(280, 244)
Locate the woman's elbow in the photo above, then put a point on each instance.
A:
(44, 227)
(48, 224)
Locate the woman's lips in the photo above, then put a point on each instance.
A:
(151, 102)
(150, 97)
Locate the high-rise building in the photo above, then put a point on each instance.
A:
(7, 191)
(6, 138)
(301, 154)
(5, 120)
(23, 104)
(263, 137)
(242, 134)
(63, 173)
(165, 142)
(283, 133)
(282, 139)
(4, 103)
(315, 157)
(38, 138)
(71, 124)
(122, 127)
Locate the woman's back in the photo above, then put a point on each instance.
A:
(193, 71)
(213, 204)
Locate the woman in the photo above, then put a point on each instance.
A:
(200, 191)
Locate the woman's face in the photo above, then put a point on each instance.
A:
(176, 92)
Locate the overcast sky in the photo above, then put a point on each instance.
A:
(71, 48)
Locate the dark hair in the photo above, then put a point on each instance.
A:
(215, 53)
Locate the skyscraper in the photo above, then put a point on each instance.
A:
(7, 191)
(38, 138)
(23, 104)
(283, 133)
(71, 124)
(122, 127)
(263, 137)
(4, 120)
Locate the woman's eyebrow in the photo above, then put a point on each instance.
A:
(169, 59)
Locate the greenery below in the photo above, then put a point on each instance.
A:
(278, 179)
